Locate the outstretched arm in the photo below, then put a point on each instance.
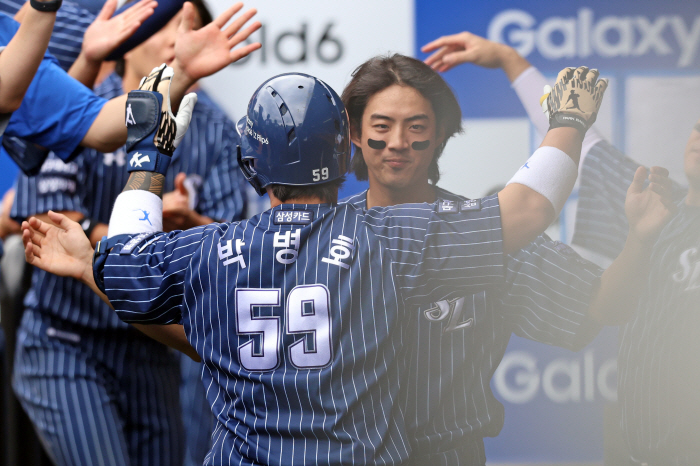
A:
(198, 54)
(62, 248)
(105, 34)
(527, 81)
(648, 210)
(534, 196)
(22, 56)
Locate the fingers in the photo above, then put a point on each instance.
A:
(591, 78)
(661, 171)
(62, 221)
(454, 39)
(107, 10)
(30, 251)
(637, 185)
(565, 74)
(580, 74)
(187, 21)
(244, 34)
(180, 183)
(223, 18)
(241, 52)
(239, 22)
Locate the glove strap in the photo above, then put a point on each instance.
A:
(143, 117)
(148, 161)
(568, 120)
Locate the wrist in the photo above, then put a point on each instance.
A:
(47, 6)
(638, 243)
(511, 62)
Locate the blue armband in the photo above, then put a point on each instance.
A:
(99, 258)
(143, 115)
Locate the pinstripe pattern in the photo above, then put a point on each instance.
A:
(67, 37)
(657, 377)
(346, 410)
(449, 403)
(92, 401)
(89, 185)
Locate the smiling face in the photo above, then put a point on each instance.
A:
(398, 139)
(691, 157)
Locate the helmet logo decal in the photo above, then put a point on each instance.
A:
(249, 131)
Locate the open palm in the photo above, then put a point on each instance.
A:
(61, 249)
(209, 49)
(649, 208)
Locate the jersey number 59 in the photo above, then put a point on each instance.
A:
(307, 312)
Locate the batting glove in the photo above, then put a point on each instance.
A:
(575, 98)
(153, 131)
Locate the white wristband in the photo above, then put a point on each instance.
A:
(136, 211)
(550, 172)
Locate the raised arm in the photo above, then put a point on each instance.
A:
(648, 210)
(60, 246)
(527, 82)
(105, 34)
(538, 191)
(21, 57)
(198, 54)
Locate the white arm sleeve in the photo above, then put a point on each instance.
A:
(529, 87)
(134, 212)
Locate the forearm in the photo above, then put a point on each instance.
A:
(22, 57)
(622, 284)
(108, 132)
(527, 211)
(84, 70)
(512, 64)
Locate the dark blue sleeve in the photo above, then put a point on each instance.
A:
(57, 111)
(437, 252)
(547, 294)
(59, 186)
(222, 195)
(145, 276)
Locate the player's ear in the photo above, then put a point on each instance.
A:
(356, 135)
(439, 136)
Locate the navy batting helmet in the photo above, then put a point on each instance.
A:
(296, 132)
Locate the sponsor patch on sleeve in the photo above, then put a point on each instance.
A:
(470, 204)
(133, 242)
(293, 217)
(447, 206)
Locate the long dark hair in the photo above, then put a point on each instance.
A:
(378, 73)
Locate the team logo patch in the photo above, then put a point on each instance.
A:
(446, 206)
(293, 217)
(470, 204)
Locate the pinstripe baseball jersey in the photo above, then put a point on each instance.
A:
(91, 183)
(460, 341)
(300, 316)
(69, 28)
(657, 376)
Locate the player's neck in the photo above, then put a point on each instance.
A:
(693, 197)
(380, 196)
(274, 201)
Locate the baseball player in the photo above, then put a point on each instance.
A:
(658, 408)
(283, 308)
(128, 400)
(393, 102)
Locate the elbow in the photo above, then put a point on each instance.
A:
(9, 105)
